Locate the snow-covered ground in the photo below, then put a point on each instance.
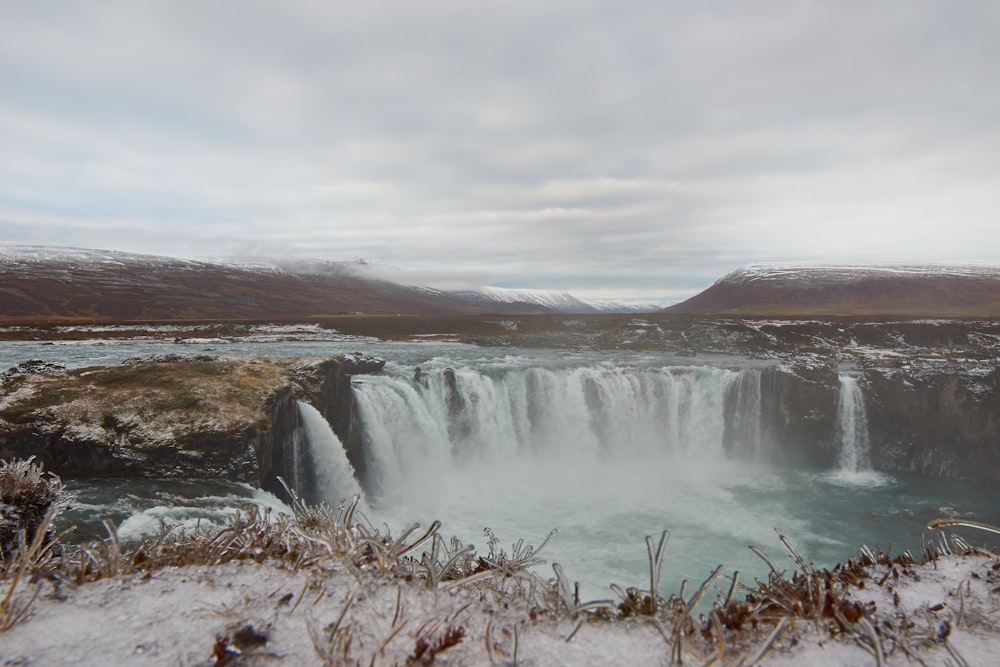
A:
(260, 614)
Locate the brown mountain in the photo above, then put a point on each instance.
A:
(52, 283)
(892, 290)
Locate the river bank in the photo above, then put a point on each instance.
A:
(328, 590)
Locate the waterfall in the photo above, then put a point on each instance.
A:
(332, 476)
(588, 413)
(852, 421)
(744, 425)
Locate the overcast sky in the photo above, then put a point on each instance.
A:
(611, 149)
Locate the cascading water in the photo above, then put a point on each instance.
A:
(744, 421)
(587, 413)
(855, 455)
(332, 475)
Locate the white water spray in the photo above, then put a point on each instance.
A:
(332, 472)
(594, 413)
(855, 454)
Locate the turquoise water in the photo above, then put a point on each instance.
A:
(603, 515)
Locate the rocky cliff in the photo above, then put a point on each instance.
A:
(192, 417)
(942, 422)
(941, 419)
(799, 414)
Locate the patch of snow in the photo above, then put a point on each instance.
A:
(129, 328)
(85, 257)
(509, 325)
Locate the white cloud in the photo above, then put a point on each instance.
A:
(599, 148)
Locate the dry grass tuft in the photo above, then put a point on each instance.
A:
(26, 495)
(29, 501)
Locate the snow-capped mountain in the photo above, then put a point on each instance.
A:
(562, 302)
(946, 290)
(72, 283)
(834, 274)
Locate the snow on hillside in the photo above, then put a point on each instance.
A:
(458, 287)
(93, 259)
(561, 301)
(832, 274)
(608, 306)
(83, 257)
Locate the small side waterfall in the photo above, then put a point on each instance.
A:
(855, 450)
(332, 475)
(744, 421)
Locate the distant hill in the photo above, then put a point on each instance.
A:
(825, 290)
(56, 283)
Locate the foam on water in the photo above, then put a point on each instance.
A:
(145, 507)
(864, 478)
(152, 520)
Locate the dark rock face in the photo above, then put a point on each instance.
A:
(274, 448)
(799, 406)
(941, 424)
